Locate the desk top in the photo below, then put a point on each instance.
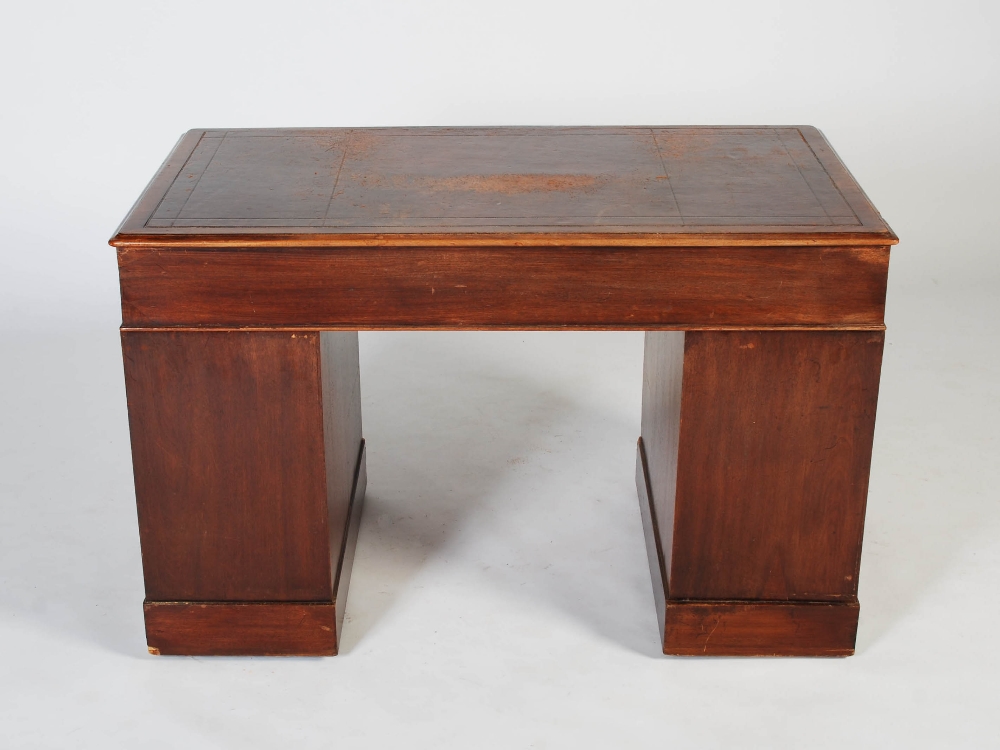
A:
(678, 186)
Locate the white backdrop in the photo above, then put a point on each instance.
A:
(500, 596)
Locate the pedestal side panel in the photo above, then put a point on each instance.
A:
(774, 453)
(341, 428)
(228, 455)
(662, 375)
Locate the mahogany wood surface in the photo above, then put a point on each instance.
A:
(753, 465)
(637, 288)
(241, 628)
(750, 256)
(349, 541)
(238, 628)
(656, 555)
(737, 628)
(663, 368)
(760, 629)
(344, 448)
(773, 464)
(247, 452)
(228, 456)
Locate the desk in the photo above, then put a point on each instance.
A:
(749, 256)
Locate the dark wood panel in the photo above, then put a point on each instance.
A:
(349, 542)
(663, 368)
(343, 444)
(524, 183)
(736, 628)
(239, 498)
(774, 454)
(655, 552)
(263, 628)
(624, 288)
(241, 629)
(760, 629)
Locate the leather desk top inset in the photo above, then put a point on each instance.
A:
(513, 186)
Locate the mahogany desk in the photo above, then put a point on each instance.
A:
(750, 256)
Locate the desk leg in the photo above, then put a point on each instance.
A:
(753, 475)
(249, 478)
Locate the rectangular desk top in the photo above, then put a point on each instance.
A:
(515, 187)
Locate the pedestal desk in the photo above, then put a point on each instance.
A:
(749, 256)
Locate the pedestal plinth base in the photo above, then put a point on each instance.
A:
(740, 628)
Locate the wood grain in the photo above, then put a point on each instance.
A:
(657, 555)
(752, 473)
(737, 628)
(263, 628)
(348, 544)
(662, 383)
(242, 492)
(773, 461)
(454, 288)
(344, 448)
(760, 629)
(241, 629)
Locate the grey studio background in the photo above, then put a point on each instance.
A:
(501, 596)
